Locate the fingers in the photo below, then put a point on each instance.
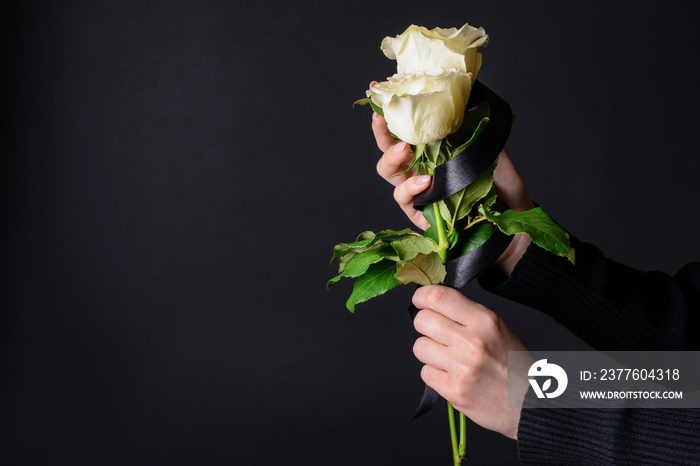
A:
(404, 195)
(435, 378)
(435, 326)
(449, 303)
(429, 351)
(393, 167)
(381, 133)
(397, 154)
(395, 162)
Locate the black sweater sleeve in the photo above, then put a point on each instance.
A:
(608, 305)
(609, 436)
(611, 307)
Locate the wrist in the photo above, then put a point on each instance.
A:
(513, 253)
(513, 431)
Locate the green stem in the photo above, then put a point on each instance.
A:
(474, 222)
(443, 244)
(453, 435)
(459, 449)
(462, 437)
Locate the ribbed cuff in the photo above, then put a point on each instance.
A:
(609, 436)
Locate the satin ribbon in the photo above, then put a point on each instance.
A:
(453, 176)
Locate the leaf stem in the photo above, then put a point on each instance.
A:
(474, 222)
(453, 435)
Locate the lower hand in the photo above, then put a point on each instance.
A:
(465, 351)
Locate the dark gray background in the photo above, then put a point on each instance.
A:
(176, 174)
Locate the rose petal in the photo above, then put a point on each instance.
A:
(418, 49)
(423, 108)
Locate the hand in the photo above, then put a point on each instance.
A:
(395, 161)
(465, 352)
(510, 186)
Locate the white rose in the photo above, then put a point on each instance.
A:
(421, 108)
(419, 49)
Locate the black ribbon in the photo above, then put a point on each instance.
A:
(453, 176)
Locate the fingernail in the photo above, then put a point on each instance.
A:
(398, 147)
(374, 116)
(421, 180)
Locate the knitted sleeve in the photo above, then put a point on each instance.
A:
(608, 305)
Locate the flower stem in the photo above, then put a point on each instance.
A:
(453, 435)
(459, 450)
(462, 437)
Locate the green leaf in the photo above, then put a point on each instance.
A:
(342, 260)
(366, 235)
(431, 232)
(473, 122)
(378, 279)
(472, 238)
(460, 204)
(423, 270)
(543, 231)
(364, 240)
(377, 109)
(453, 239)
(432, 151)
(359, 262)
(417, 156)
(491, 196)
(480, 127)
(444, 210)
(408, 247)
(364, 101)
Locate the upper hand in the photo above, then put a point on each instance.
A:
(397, 157)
